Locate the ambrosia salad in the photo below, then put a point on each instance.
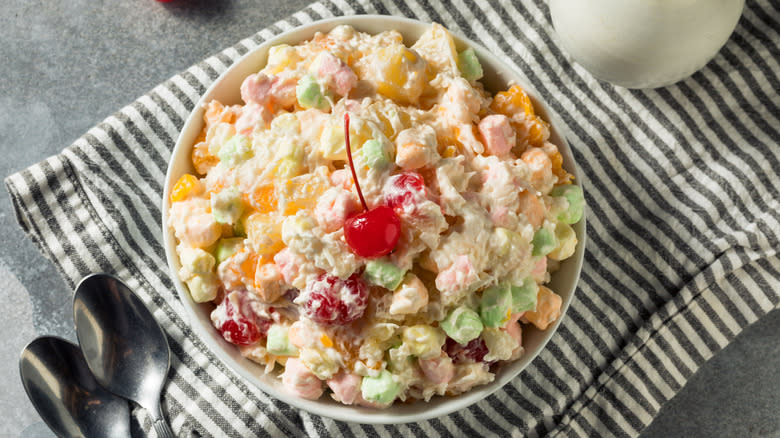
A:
(397, 262)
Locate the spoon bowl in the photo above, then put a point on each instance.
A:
(123, 345)
(66, 395)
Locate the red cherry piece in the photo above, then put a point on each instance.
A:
(336, 301)
(373, 233)
(240, 332)
(237, 329)
(474, 351)
(403, 189)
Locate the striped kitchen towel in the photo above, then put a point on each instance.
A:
(683, 224)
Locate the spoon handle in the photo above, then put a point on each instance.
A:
(162, 429)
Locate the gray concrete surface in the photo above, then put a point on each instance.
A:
(66, 65)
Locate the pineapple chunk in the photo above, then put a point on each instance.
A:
(438, 48)
(264, 233)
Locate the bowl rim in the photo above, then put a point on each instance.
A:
(330, 408)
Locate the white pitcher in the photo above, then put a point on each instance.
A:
(644, 43)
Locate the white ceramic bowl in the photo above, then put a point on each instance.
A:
(226, 90)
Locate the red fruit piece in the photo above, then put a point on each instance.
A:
(240, 332)
(404, 188)
(474, 351)
(238, 329)
(373, 233)
(336, 301)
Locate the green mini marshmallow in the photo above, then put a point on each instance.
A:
(462, 324)
(469, 65)
(375, 154)
(235, 150)
(385, 274)
(574, 197)
(524, 296)
(278, 341)
(227, 206)
(309, 93)
(227, 247)
(495, 306)
(381, 389)
(544, 242)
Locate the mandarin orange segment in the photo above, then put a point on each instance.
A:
(202, 160)
(263, 199)
(201, 136)
(538, 132)
(217, 113)
(462, 136)
(512, 101)
(445, 138)
(233, 272)
(556, 159)
(186, 185)
(249, 267)
(515, 104)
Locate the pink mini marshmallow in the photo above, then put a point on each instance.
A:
(333, 208)
(515, 330)
(457, 276)
(283, 91)
(537, 273)
(199, 229)
(300, 381)
(336, 73)
(439, 369)
(288, 264)
(497, 133)
(256, 88)
(261, 89)
(252, 115)
(268, 282)
(513, 327)
(341, 178)
(345, 387)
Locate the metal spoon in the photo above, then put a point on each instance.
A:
(123, 345)
(65, 393)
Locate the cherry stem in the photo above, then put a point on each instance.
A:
(351, 164)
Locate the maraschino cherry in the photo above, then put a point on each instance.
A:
(372, 233)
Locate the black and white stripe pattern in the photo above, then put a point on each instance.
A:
(682, 210)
